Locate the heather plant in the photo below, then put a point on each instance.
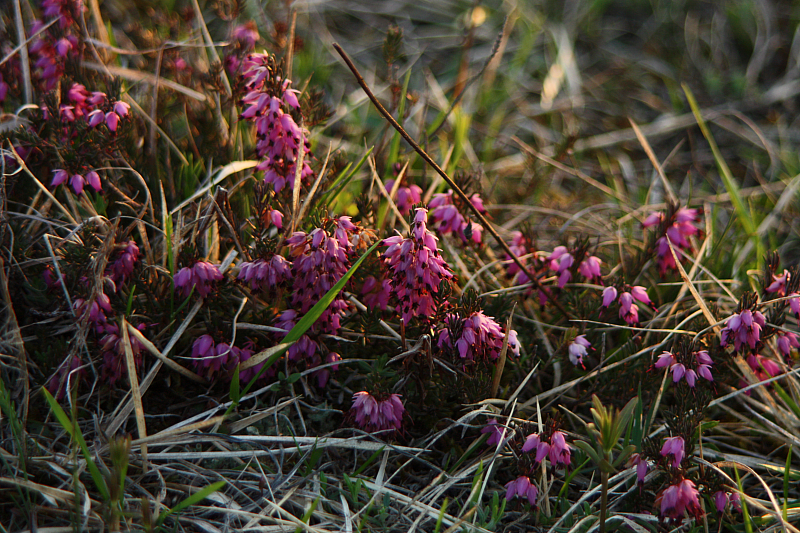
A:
(237, 295)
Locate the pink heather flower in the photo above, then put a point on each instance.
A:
(114, 360)
(679, 232)
(744, 328)
(674, 447)
(522, 488)
(121, 109)
(65, 377)
(446, 217)
(279, 138)
(628, 310)
(677, 499)
(321, 258)
(201, 276)
(561, 261)
(786, 341)
(609, 296)
(641, 465)
(578, 350)
(763, 367)
(325, 374)
(519, 246)
(406, 196)
(794, 304)
(247, 34)
(95, 118)
(96, 311)
(304, 348)
(639, 293)
(665, 359)
(275, 218)
(112, 119)
(77, 182)
(590, 269)
(373, 415)
(559, 450)
(532, 442)
(703, 362)
(416, 269)
(481, 337)
(93, 180)
(263, 274)
(778, 284)
(121, 268)
(736, 501)
(59, 176)
(497, 432)
(721, 501)
(375, 294)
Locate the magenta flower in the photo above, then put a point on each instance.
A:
(279, 137)
(496, 431)
(416, 269)
(96, 311)
(263, 274)
(481, 337)
(763, 367)
(406, 196)
(561, 261)
(590, 269)
(702, 367)
(578, 350)
(373, 415)
(609, 296)
(794, 304)
(121, 268)
(559, 454)
(557, 450)
(304, 348)
(641, 465)
(678, 499)
(786, 341)
(321, 258)
(778, 284)
(744, 328)
(679, 232)
(65, 377)
(446, 217)
(375, 294)
(114, 362)
(520, 247)
(673, 446)
(201, 276)
(522, 488)
(325, 374)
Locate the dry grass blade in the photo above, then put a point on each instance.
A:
(136, 393)
(650, 154)
(163, 358)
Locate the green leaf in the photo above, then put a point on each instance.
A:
(197, 497)
(341, 182)
(369, 461)
(66, 423)
(235, 393)
(591, 452)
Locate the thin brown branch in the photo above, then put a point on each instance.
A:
(483, 221)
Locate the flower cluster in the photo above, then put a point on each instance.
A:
(674, 447)
(702, 367)
(265, 274)
(778, 286)
(481, 337)
(561, 261)
(416, 268)
(556, 450)
(280, 138)
(496, 431)
(406, 196)
(212, 359)
(120, 269)
(95, 108)
(723, 498)
(763, 367)
(679, 231)
(95, 311)
(520, 246)
(744, 328)
(522, 488)
(628, 309)
(786, 341)
(77, 181)
(372, 414)
(678, 499)
(375, 293)
(304, 347)
(321, 258)
(243, 40)
(66, 375)
(446, 217)
(114, 360)
(577, 350)
(201, 276)
(49, 54)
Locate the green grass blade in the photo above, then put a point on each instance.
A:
(344, 178)
(66, 423)
(730, 185)
(197, 497)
